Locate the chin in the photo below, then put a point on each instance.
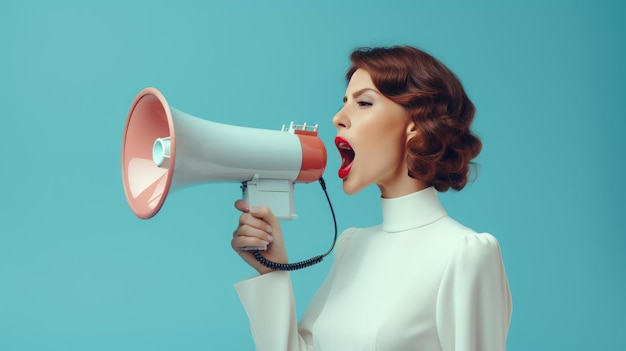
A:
(351, 188)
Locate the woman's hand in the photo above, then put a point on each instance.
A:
(258, 228)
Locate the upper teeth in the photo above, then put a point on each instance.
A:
(343, 145)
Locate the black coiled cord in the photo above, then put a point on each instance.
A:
(306, 263)
(287, 266)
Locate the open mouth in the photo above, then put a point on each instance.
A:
(347, 156)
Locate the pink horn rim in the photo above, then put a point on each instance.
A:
(145, 184)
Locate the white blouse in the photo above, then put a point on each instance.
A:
(419, 281)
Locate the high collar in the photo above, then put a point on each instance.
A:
(411, 211)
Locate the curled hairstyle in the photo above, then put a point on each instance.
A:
(441, 152)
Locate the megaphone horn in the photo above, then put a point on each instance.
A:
(164, 149)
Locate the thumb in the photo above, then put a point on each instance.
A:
(242, 206)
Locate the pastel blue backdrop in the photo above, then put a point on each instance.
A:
(78, 271)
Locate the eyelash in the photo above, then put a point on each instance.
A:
(364, 103)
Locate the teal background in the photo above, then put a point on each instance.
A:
(78, 271)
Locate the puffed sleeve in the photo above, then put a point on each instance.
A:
(474, 301)
(269, 303)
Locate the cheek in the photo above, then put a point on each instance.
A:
(382, 136)
(387, 140)
(382, 154)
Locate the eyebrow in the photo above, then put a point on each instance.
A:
(359, 92)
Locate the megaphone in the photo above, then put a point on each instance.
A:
(165, 149)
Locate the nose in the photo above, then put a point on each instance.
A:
(341, 120)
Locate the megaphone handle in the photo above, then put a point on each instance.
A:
(277, 194)
(306, 263)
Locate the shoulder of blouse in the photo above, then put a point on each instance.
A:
(478, 249)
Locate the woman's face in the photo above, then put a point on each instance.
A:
(372, 132)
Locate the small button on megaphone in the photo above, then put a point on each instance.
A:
(164, 149)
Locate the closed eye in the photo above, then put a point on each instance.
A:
(364, 103)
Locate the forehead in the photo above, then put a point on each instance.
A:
(360, 79)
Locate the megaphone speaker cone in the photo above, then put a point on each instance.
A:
(146, 185)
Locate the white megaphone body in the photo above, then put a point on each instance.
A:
(165, 149)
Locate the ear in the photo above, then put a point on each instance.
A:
(411, 131)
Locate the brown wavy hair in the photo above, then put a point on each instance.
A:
(441, 152)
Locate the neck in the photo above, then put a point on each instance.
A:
(401, 188)
(411, 211)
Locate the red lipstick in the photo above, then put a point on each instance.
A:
(347, 156)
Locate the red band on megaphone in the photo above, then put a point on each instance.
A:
(313, 158)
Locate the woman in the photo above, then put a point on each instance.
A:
(418, 281)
